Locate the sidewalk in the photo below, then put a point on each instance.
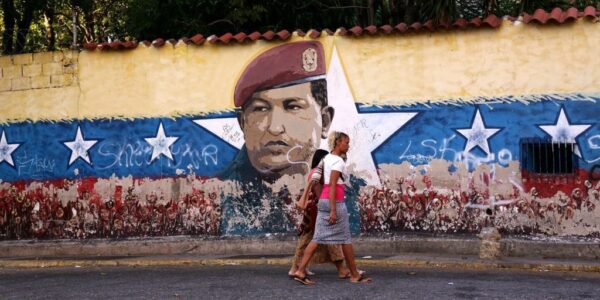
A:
(556, 254)
(411, 260)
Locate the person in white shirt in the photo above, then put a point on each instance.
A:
(333, 226)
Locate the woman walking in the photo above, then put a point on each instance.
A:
(332, 226)
(308, 204)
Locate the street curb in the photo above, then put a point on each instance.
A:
(403, 251)
(397, 263)
(283, 245)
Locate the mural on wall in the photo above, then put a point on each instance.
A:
(435, 167)
(457, 168)
(288, 105)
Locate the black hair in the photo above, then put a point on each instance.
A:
(319, 90)
(317, 157)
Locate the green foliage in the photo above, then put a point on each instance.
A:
(529, 6)
(147, 19)
(39, 25)
(439, 11)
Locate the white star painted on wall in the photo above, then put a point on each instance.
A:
(478, 134)
(562, 131)
(161, 144)
(80, 147)
(367, 130)
(6, 150)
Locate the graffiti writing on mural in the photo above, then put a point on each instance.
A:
(138, 154)
(362, 129)
(594, 143)
(185, 153)
(441, 150)
(231, 134)
(34, 166)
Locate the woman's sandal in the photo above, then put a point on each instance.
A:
(362, 279)
(304, 280)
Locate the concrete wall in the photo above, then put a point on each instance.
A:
(147, 141)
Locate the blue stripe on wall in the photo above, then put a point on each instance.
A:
(433, 134)
(121, 148)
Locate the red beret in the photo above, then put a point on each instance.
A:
(287, 64)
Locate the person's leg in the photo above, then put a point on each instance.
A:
(293, 268)
(303, 240)
(308, 253)
(321, 255)
(342, 270)
(295, 262)
(355, 275)
(336, 256)
(349, 257)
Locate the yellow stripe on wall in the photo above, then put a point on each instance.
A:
(164, 81)
(513, 60)
(39, 104)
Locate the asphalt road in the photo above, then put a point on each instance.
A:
(271, 282)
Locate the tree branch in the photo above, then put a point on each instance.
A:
(221, 21)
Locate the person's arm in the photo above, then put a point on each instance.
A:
(333, 181)
(302, 202)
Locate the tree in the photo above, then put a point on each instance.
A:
(34, 25)
(17, 17)
(529, 6)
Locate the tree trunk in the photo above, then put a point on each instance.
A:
(411, 13)
(90, 33)
(489, 7)
(370, 12)
(50, 16)
(84, 19)
(23, 26)
(359, 13)
(9, 26)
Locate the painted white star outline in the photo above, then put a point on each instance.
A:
(161, 144)
(80, 147)
(564, 132)
(367, 131)
(478, 135)
(6, 150)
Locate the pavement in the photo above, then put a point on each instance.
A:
(271, 282)
(389, 250)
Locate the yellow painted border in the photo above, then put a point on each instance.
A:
(455, 65)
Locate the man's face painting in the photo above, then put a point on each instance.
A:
(282, 128)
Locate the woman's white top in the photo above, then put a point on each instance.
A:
(332, 162)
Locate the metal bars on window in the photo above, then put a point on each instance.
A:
(543, 156)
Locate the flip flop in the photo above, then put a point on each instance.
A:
(362, 279)
(304, 280)
(348, 275)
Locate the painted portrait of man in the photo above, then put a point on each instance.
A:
(283, 112)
